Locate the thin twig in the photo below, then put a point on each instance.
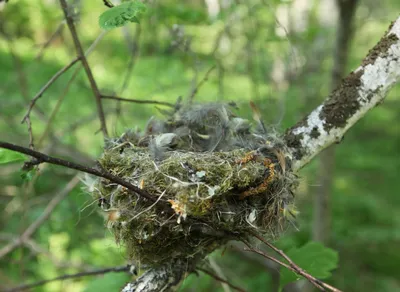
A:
(46, 86)
(138, 100)
(220, 279)
(196, 89)
(70, 276)
(292, 266)
(83, 121)
(41, 158)
(36, 249)
(57, 107)
(218, 271)
(134, 52)
(49, 41)
(259, 252)
(133, 47)
(23, 84)
(39, 221)
(81, 55)
(21, 76)
(30, 132)
(64, 93)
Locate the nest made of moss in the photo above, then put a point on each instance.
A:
(212, 177)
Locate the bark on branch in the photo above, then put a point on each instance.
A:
(162, 278)
(362, 90)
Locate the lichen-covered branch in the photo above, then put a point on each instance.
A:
(158, 279)
(362, 90)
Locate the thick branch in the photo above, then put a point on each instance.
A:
(360, 91)
(85, 64)
(162, 278)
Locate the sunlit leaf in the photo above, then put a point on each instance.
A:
(122, 14)
(7, 156)
(314, 258)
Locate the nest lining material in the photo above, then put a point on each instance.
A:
(212, 177)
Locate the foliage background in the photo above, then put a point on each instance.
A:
(284, 66)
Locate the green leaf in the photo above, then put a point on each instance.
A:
(122, 14)
(28, 175)
(7, 156)
(314, 258)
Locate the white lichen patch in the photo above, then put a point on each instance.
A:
(376, 79)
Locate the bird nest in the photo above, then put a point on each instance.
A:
(213, 178)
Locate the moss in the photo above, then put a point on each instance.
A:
(342, 103)
(294, 141)
(314, 133)
(204, 197)
(380, 49)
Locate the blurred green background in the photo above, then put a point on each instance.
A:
(277, 53)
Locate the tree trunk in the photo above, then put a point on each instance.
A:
(322, 210)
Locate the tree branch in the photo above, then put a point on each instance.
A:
(46, 86)
(85, 64)
(291, 266)
(53, 114)
(157, 279)
(138, 100)
(216, 277)
(202, 81)
(72, 276)
(50, 40)
(41, 157)
(360, 91)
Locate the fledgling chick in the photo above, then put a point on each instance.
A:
(154, 127)
(239, 126)
(208, 124)
(162, 143)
